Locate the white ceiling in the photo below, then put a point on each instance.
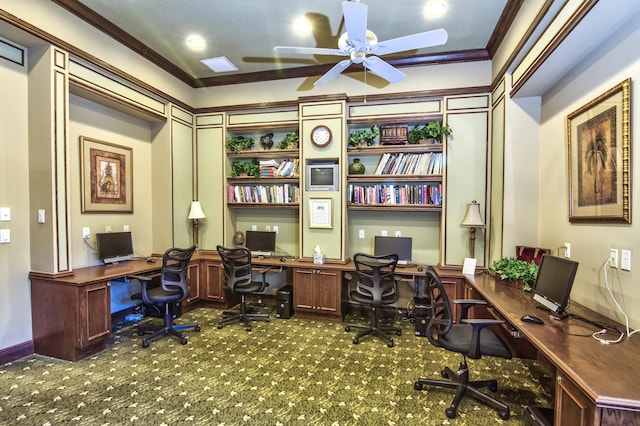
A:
(246, 31)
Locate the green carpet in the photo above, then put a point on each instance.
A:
(285, 372)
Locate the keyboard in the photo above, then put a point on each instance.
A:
(260, 253)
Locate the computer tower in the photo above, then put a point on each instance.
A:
(422, 315)
(284, 301)
(538, 416)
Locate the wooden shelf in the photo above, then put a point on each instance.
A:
(397, 207)
(393, 178)
(264, 180)
(263, 153)
(294, 206)
(381, 149)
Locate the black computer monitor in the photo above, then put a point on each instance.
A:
(402, 246)
(114, 246)
(553, 284)
(264, 241)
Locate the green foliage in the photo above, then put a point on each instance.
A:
(361, 136)
(511, 269)
(290, 141)
(239, 143)
(250, 168)
(433, 129)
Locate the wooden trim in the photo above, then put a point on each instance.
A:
(504, 23)
(16, 352)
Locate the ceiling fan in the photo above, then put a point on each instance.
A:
(362, 46)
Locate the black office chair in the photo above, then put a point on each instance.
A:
(173, 288)
(236, 263)
(470, 338)
(376, 286)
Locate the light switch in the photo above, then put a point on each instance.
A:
(5, 236)
(5, 214)
(41, 216)
(383, 233)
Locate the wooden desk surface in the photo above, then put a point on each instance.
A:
(92, 274)
(607, 374)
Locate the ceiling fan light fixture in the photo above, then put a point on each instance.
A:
(219, 64)
(434, 9)
(302, 25)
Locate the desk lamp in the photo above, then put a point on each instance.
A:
(196, 213)
(473, 220)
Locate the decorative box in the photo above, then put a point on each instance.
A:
(393, 134)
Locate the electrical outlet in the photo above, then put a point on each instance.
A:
(567, 250)
(625, 260)
(86, 233)
(275, 228)
(5, 214)
(268, 228)
(125, 228)
(361, 233)
(398, 234)
(107, 228)
(383, 233)
(613, 258)
(254, 227)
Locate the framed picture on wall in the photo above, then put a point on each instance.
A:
(106, 177)
(598, 136)
(320, 213)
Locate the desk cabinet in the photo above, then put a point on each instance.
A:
(193, 271)
(317, 293)
(70, 321)
(213, 281)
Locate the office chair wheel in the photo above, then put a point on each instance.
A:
(399, 333)
(451, 413)
(248, 328)
(219, 326)
(504, 415)
(141, 332)
(355, 341)
(493, 387)
(390, 343)
(183, 340)
(145, 343)
(444, 374)
(197, 328)
(417, 386)
(347, 328)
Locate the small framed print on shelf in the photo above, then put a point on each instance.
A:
(320, 213)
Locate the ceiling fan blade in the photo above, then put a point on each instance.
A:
(415, 41)
(383, 69)
(333, 72)
(308, 51)
(355, 18)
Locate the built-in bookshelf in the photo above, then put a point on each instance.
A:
(406, 177)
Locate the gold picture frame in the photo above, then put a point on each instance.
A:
(320, 213)
(598, 137)
(106, 177)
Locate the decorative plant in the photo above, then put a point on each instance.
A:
(239, 143)
(433, 129)
(511, 269)
(250, 168)
(290, 141)
(364, 136)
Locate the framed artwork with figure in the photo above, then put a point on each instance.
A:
(106, 177)
(598, 136)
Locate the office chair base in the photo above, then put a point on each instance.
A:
(381, 332)
(459, 380)
(174, 330)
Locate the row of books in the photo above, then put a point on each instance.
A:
(405, 163)
(281, 194)
(411, 194)
(285, 168)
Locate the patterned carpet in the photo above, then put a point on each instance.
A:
(285, 372)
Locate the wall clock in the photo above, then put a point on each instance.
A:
(321, 136)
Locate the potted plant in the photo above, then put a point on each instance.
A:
(239, 143)
(290, 141)
(361, 137)
(245, 168)
(433, 130)
(510, 269)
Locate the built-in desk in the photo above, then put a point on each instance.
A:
(596, 384)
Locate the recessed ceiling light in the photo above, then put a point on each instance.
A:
(219, 64)
(435, 8)
(195, 42)
(302, 25)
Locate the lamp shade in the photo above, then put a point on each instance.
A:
(473, 217)
(196, 211)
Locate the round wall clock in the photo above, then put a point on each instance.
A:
(321, 136)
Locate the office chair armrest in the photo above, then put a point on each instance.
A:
(477, 325)
(144, 277)
(468, 303)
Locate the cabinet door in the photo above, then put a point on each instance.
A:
(213, 281)
(304, 295)
(194, 282)
(94, 310)
(572, 405)
(328, 293)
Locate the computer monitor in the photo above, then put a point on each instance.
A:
(553, 284)
(114, 246)
(402, 246)
(260, 241)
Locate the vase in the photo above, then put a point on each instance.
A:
(356, 168)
